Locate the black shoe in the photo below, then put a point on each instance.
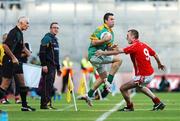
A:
(126, 109)
(105, 92)
(48, 107)
(159, 106)
(44, 107)
(28, 108)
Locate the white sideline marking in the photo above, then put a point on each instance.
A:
(115, 108)
(65, 108)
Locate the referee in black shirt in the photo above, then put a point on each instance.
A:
(13, 47)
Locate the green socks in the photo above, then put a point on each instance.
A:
(110, 78)
(90, 93)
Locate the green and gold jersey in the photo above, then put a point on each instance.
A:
(97, 36)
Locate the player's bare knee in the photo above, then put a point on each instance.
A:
(4, 87)
(5, 84)
(119, 62)
(103, 75)
(102, 80)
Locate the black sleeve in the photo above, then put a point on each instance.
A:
(58, 67)
(10, 40)
(42, 55)
(57, 61)
(43, 48)
(56, 54)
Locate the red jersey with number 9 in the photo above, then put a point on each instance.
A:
(140, 55)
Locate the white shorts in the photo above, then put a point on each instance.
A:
(143, 80)
(99, 62)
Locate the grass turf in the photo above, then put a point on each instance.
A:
(66, 112)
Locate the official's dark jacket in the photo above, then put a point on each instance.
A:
(49, 51)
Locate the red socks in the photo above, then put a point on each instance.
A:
(130, 105)
(156, 100)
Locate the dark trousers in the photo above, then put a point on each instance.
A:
(46, 87)
(65, 81)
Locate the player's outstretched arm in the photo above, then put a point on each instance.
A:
(113, 47)
(160, 65)
(107, 53)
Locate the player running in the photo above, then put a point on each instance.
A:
(140, 55)
(103, 39)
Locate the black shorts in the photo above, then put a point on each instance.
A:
(9, 69)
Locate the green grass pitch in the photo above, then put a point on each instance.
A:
(66, 111)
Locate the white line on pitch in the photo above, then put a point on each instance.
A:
(66, 108)
(115, 108)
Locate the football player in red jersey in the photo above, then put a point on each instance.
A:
(140, 56)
